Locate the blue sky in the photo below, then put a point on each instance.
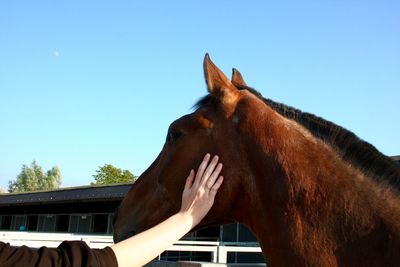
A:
(84, 83)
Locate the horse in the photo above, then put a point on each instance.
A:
(312, 192)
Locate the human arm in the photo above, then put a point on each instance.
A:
(197, 199)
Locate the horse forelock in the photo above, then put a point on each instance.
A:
(205, 101)
(351, 148)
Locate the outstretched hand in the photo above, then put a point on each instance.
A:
(197, 199)
(200, 189)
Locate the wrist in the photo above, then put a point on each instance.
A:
(186, 220)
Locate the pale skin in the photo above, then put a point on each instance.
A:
(197, 199)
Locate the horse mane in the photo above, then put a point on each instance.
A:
(351, 148)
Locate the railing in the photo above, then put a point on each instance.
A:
(219, 251)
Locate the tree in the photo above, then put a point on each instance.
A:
(108, 174)
(33, 178)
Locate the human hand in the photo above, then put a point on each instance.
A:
(200, 189)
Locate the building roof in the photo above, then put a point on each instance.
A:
(71, 194)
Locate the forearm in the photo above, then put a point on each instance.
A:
(141, 248)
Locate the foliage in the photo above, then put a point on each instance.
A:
(34, 178)
(108, 174)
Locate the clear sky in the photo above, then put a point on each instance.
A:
(84, 83)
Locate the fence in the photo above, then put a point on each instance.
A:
(218, 251)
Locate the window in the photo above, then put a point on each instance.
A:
(73, 224)
(18, 223)
(32, 223)
(84, 224)
(47, 223)
(62, 223)
(100, 223)
(230, 232)
(236, 232)
(208, 234)
(245, 235)
(6, 222)
(110, 223)
(80, 223)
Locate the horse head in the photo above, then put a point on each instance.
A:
(212, 128)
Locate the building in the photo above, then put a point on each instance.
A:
(88, 209)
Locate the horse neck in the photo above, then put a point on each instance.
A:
(308, 204)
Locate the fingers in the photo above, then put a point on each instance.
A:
(214, 175)
(216, 186)
(201, 188)
(209, 171)
(189, 180)
(201, 169)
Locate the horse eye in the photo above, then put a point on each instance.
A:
(173, 136)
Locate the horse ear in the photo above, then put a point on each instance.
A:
(237, 79)
(218, 84)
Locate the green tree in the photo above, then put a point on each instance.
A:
(108, 174)
(34, 178)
